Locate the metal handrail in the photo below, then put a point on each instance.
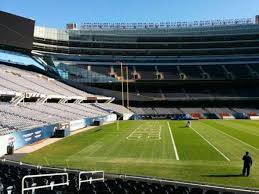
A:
(189, 184)
(90, 180)
(51, 185)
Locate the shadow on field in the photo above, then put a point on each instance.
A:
(98, 129)
(223, 175)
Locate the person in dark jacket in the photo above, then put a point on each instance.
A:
(188, 124)
(247, 164)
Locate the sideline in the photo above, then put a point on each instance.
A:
(173, 142)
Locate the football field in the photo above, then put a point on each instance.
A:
(210, 151)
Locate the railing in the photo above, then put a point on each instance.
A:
(64, 172)
(162, 25)
(148, 179)
(90, 179)
(205, 187)
(51, 185)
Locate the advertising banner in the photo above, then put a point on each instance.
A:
(22, 138)
(31, 136)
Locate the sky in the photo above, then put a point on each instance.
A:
(57, 13)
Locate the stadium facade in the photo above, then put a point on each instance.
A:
(168, 70)
(213, 63)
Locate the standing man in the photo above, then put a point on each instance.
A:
(247, 164)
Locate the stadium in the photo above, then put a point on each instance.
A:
(104, 107)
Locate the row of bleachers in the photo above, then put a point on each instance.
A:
(12, 173)
(191, 72)
(149, 110)
(239, 70)
(13, 79)
(137, 110)
(6, 130)
(169, 72)
(193, 110)
(155, 92)
(28, 115)
(174, 72)
(84, 73)
(246, 110)
(190, 110)
(219, 110)
(155, 110)
(146, 72)
(102, 69)
(10, 122)
(196, 92)
(162, 110)
(215, 71)
(114, 107)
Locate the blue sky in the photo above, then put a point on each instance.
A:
(56, 13)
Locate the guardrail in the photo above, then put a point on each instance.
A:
(90, 180)
(51, 185)
(166, 25)
(148, 179)
(205, 187)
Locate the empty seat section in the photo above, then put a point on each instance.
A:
(192, 72)
(169, 72)
(14, 79)
(146, 72)
(255, 67)
(240, 71)
(197, 92)
(105, 70)
(114, 107)
(150, 92)
(215, 71)
(173, 92)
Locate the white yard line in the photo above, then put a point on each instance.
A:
(156, 135)
(173, 142)
(152, 132)
(132, 133)
(233, 137)
(211, 144)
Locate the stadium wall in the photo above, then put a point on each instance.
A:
(22, 138)
(79, 124)
(254, 117)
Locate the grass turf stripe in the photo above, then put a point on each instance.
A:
(232, 137)
(211, 144)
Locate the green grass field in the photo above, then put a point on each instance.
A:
(209, 152)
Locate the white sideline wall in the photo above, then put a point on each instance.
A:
(82, 123)
(110, 118)
(228, 117)
(126, 116)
